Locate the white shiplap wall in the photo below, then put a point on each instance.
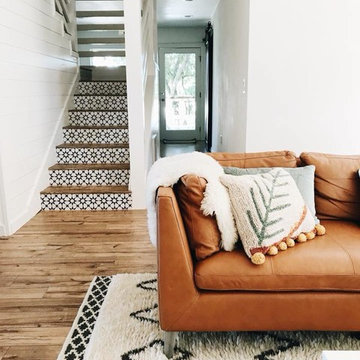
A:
(141, 76)
(38, 72)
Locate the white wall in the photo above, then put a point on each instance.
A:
(37, 73)
(304, 76)
(176, 35)
(151, 82)
(230, 23)
(141, 74)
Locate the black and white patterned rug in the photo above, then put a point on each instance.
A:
(118, 320)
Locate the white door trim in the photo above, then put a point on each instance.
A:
(165, 47)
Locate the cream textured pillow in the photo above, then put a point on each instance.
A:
(269, 211)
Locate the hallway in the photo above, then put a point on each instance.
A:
(174, 149)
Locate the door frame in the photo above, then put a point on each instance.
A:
(200, 118)
(208, 98)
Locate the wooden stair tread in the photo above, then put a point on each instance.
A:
(95, 127)
(95, 146)
(125, 166)
(85, 27)
(91, 95)
(100, 13)
(101, 81)
(85, 190)
(103, 40)
(97, 53)
(100, 110)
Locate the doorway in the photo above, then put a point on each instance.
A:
(181, 89)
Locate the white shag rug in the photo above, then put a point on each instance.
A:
(118, 320)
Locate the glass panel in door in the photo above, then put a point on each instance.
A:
(180, 94)
(180, 88)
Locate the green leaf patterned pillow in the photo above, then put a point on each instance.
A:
(268, 209)
(304, 177)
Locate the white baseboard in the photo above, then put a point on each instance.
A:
(3, 231)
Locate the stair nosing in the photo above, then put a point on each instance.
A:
(99, 13)
(101, 110)
(93, 146)
(100, 81)
(80, 27)
(111, 53)
(57, 167)
(92, 95)
(125, 95)
(86, 190)
(120, 127)
(101, 40)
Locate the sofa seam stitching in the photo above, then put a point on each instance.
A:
(347, 253)
(186, 310)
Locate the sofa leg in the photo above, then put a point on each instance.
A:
(169, 343)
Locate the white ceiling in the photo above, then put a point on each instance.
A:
(173, 12)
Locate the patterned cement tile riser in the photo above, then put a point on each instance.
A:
(102, 88)
(89, 177)
(93, 155)
(92, 102)
(98, 118)
(96, 104)
(93, 202)
(96, 136)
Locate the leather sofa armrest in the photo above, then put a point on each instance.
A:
(176, 287)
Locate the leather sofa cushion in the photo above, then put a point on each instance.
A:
(337, 186)
(202, 231)
(260, 159)
(329, 262)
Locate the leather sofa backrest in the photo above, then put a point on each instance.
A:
(337, 185)
(260, 159)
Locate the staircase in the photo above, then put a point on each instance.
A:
(92, 170)
(101, 32)
(93, 163)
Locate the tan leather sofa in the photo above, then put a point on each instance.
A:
(315, 286)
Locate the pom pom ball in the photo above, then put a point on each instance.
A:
(273, 251)
(302, 238)
(258, 258)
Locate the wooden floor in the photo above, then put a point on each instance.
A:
(46, 267)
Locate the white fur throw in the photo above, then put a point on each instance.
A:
(167, 171)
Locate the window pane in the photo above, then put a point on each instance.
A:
(180, 90)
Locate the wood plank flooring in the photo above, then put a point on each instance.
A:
(47, 266)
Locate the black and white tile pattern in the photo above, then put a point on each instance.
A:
(98, 118)
(96, 136)
(85, 322)
(86, 201)
(92, 102)
(85, 155)
(102, 88)
(89, 177)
